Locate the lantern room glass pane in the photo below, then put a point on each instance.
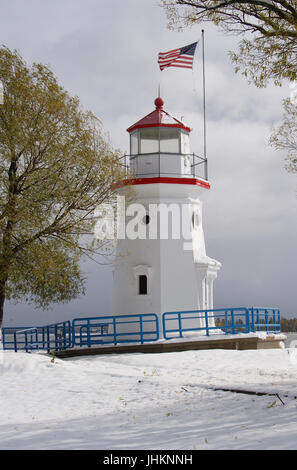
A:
(149, 140)
(185, 143)
(134, 143)
(169, 140)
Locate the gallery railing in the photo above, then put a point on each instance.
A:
(165, 164)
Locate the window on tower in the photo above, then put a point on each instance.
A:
(169, 140)
(142, 287)
(149, 140)
(143, 279)
(134, 143)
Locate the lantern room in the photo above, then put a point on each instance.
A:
(159, 146)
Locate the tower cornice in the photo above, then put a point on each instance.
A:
(162, 179)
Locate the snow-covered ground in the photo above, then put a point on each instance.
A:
(149, 401)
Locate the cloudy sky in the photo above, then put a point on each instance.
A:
(105, 51)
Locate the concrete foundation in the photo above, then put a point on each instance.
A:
(270, 342)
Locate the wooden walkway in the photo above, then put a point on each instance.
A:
(227, 343)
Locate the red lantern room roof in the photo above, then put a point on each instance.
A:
(158, 118)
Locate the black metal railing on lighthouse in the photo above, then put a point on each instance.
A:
(157, 164)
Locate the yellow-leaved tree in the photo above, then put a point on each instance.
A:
(56, 166)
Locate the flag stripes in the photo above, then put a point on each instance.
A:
(182, 57)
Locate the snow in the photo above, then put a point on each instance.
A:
(149, 401)
(218, 334)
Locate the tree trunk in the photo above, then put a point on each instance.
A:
(2, 300)
(6, 253)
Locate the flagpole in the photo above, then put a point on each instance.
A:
(204, 108)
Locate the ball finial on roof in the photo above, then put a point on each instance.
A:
(159, 102)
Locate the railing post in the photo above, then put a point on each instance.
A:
(206, 324)
(226, 322)
(164, 325)
(81, 330)
(15, 342)
(43, 337)
(266, 321)
(247, 319)
(232, 321)
(257, 328)
(54, 328)
(72, 333)
(141, 329)
(64, 334)
(36, 340)
(157, 327)
(273, 319)
(48, 339)
(256, 318)
(180, 325)
(88, 334)
(115, 330)
(26, 342)
(69, 337)
(253, 319)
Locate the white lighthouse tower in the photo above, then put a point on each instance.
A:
(163, 271)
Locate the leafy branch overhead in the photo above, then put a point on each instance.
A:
(56, 166)
(285, 136)
(269, 49)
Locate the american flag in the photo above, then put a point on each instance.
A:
(182, 57)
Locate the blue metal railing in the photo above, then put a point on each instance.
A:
(141, 328)
(29, 339)
(265, 319)
(229, 321)
(8, 335)
(115, 329)
(57, 337)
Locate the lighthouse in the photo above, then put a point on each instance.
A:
(165, 268)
